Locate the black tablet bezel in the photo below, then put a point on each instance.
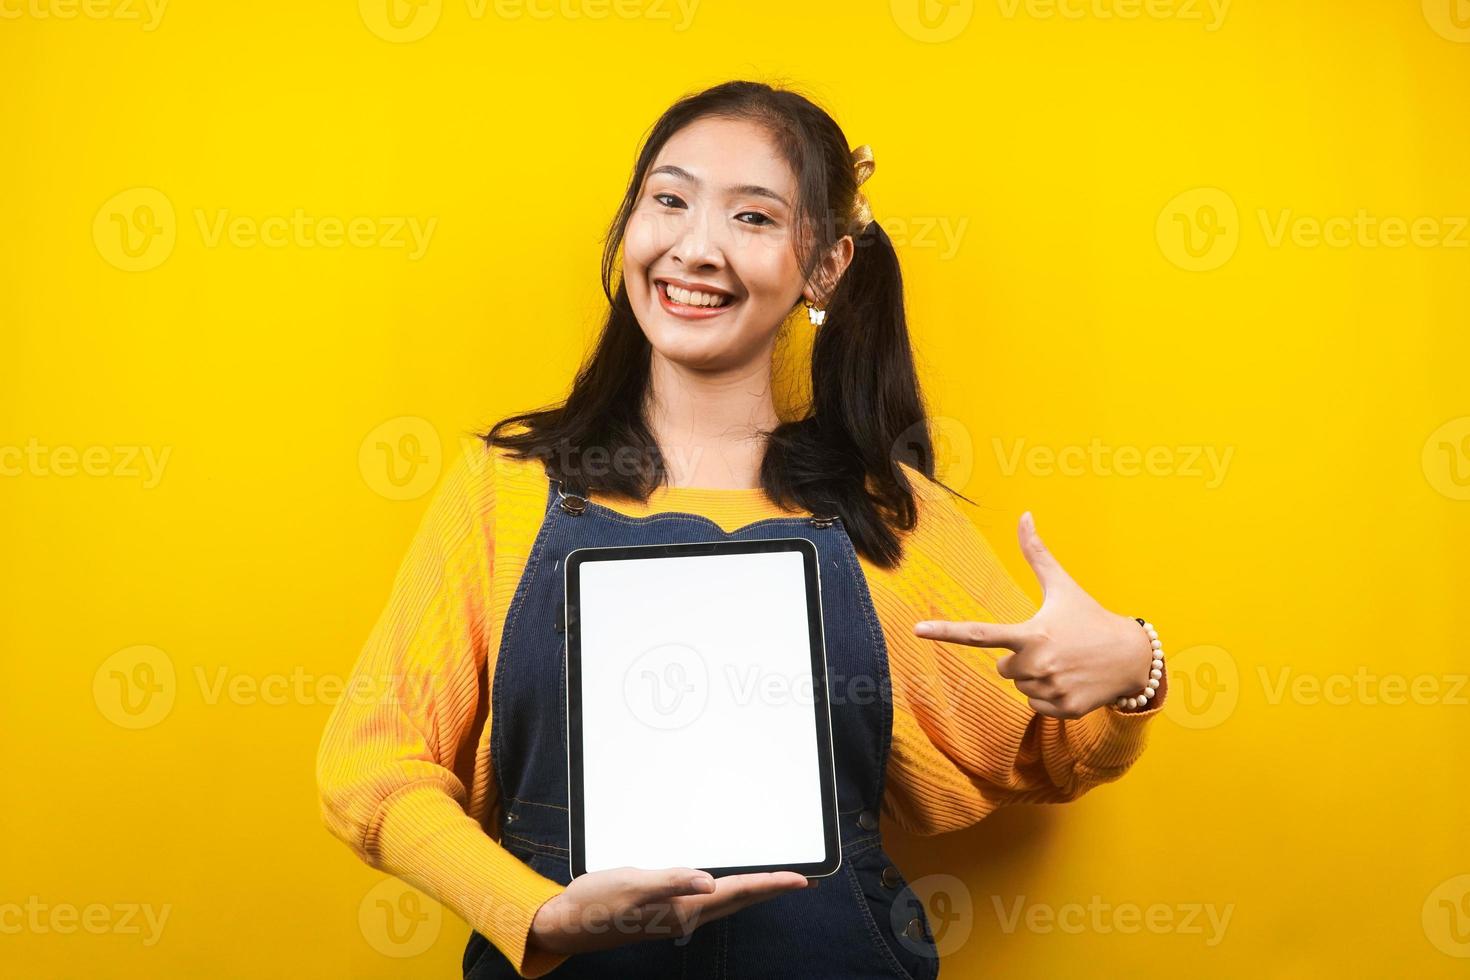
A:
(822, 710)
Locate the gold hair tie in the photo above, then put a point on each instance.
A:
(862, 168)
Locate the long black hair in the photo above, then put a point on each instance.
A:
(866, 412)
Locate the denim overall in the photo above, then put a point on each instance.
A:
(862, 921)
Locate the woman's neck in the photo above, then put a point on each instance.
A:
(711, 426)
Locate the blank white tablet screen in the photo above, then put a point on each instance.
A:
(699, 731)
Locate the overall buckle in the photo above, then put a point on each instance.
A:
(572, 503)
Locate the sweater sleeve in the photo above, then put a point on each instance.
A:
(965, 739)
(386, 765)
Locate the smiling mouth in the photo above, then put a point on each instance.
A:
(693, 304)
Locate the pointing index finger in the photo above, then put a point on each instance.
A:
(998, 635)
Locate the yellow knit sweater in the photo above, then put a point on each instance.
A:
(404, 764)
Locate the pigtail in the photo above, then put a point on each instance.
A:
(867, 410)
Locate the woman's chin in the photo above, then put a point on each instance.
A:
(695, 355)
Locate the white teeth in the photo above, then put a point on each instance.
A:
(693, 297)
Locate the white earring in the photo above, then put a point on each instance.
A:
(816, 314)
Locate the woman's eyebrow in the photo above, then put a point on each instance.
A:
(743, 189)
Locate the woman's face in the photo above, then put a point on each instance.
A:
(709, 254)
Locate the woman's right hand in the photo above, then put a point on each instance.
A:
(604, 909)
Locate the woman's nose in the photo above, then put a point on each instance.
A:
(697, 243)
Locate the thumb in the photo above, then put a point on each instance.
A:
(1044, 564)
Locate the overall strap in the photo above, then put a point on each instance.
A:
(575, 504)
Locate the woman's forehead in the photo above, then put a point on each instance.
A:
(723, 153)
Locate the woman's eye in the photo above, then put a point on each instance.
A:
(762, 219)
(660, 199)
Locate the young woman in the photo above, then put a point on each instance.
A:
(744, 203)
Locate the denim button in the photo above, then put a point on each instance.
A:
(890, 877)
(868, 820)
(914, 930)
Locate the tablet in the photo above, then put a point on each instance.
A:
(699, 733)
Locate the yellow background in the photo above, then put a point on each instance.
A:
(1064, 150)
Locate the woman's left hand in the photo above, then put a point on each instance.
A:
(1069, 658)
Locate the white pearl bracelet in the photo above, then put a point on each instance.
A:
(1155, 671)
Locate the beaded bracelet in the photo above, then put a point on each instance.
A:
(1155, 671)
